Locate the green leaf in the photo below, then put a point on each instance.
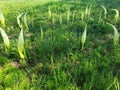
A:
(116, 15)
(21, 48)
(83, 39)
(2, 19)
(5, 38)
(18, 20)
(50, 13)
(105, 10)
(25, 21)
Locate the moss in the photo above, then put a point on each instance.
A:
(24, 85)
(9, 68)
(3, 60)
(1, 75)
(8, 88)
(9, 80)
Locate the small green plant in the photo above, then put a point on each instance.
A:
(83, 39)
(116, 34)
(21, 48)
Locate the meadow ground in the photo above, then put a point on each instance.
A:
(60, 45)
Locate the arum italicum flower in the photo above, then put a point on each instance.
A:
(116, 34)
(105, 11)
(83, 39)
(116, 15)
(5, 38)
(2, 19)
(21, 48)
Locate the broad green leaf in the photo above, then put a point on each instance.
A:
(105, 10)
(5, 38)
(83, 39)
(18, 20)
(2, 19)
(116, 34)
(116, 15)
(21, 48)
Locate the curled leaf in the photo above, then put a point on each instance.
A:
(116, 15)
(116, 34)
(105, 10)
(18, 20)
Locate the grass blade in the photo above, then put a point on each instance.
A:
(42, 34)
(49, 12)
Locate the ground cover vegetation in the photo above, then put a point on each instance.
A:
(59, 45)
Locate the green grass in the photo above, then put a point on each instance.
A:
(53, 56)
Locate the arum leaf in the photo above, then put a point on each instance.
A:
(2, 19)
(21, 45)
(5, 38)
(116, 34)
(83, 39)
